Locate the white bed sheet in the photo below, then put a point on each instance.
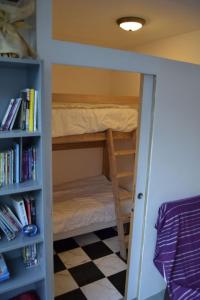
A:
(71, 119)
(83, 203)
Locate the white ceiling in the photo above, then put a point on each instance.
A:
(93, 21)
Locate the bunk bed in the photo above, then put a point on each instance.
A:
(81, 121)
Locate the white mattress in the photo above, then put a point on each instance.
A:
(83, 203)
(71, 119)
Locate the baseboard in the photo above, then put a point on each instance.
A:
(159, 296)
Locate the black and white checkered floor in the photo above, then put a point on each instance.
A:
(88, 267)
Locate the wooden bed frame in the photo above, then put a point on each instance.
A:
(91, 140)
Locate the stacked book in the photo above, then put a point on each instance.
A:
(28, 164)
(13, 219)
(30, 257)
(21, 112)
(4, 273)
(17, 165)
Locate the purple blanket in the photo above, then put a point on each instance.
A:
(177, 255)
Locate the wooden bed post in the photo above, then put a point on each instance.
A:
(105, 162)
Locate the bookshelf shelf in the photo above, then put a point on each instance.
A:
(19, 242)
(27, 186)
(23, 150)
(19, 276)
(18, 134)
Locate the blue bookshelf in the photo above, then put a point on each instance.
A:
(18, 74)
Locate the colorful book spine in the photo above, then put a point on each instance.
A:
(35, 111)
(22, 113)
(7, 220)
(23, 110)
(10, 115)
(15, 112)
(6, 114)
(16, 163)
(13, 217)
(3, 169)
(28, 208)
(33, 210)
(6, 167)
(27, 108)
(31, 112)
(10, 235)
(34, 163)
(20, 211)
(30, 256)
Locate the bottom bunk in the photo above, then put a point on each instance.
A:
(84, 206)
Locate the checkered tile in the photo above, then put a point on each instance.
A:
(88, 267)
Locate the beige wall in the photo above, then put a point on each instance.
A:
(75, 164)
(184, 47)
(67, 79)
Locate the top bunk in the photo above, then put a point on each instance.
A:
(82, 120)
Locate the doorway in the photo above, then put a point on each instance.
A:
(94, 250)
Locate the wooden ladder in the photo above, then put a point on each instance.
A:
(116, 175)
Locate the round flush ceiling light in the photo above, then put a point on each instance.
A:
(130, 23)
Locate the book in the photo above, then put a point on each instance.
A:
(35, 111)
(34, 163)
(7, 113)
(16, 163)
(20, 161)
(10, 115)
(4, 273)
(8, 222)
(27, 108)
(31, 111)
(33, 210)
(10, 165)
(22, 112)
(13, 217)
(15, 112)
(6, 167)
(30, 256)
(10, 235)
(2, 169)
(20, 210)
(22, 121)
(28, 208)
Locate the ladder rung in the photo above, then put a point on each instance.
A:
(124, 174)
(125, 196)
(124, 152)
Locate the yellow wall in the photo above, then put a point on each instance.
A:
(75, 164)
(184, 47)
(76, 80)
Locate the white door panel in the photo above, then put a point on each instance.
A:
(142, 169)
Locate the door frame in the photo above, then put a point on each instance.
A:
(137, 224)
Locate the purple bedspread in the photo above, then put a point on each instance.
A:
(177, 255)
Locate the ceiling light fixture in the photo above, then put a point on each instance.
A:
(130, 23)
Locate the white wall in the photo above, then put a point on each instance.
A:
(184, 47)
(175, 163)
